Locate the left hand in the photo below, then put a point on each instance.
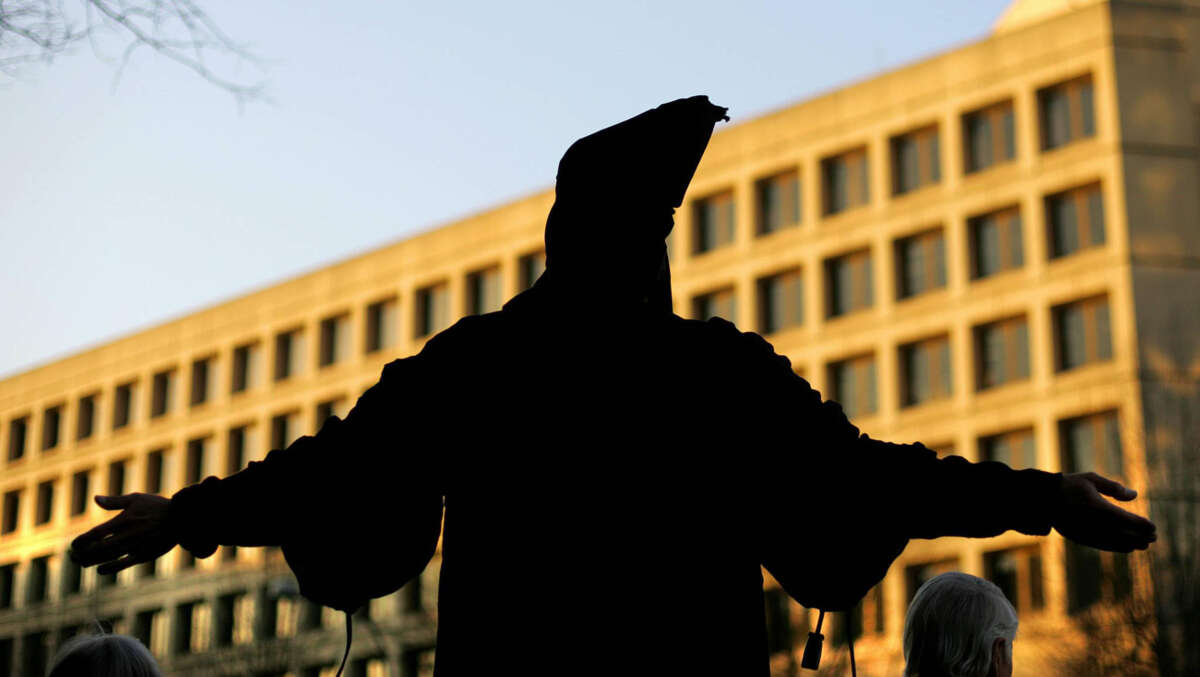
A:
(1086, 517)
(139, 534)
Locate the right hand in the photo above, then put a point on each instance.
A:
(139, 534)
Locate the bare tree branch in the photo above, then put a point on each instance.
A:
(41, 30)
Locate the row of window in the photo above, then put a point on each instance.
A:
(994, 245)
(241, 445)
(1082, 335)
(197, 626)
(1066, 115)
(290, 355)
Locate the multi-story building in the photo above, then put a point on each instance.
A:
(986, 251)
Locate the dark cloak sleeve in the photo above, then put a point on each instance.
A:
(356, 508)
(839, 507)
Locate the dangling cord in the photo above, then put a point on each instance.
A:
(349, 636)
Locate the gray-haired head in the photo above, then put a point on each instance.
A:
(952, 625)
(107, 655)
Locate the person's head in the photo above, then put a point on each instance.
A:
(959, 626)
(104, 656)
(615, 196)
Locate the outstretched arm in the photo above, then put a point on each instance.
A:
(313, 498)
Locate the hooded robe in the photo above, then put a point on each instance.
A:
(608, 478)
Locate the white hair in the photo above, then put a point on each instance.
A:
(951, 625)
(108, 655)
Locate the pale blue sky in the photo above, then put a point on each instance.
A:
(120, 209)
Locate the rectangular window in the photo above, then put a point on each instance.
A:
(202, 381)
(244, 368)
(197, 461)
(381, 325)
(12, 511)
(925, 366)
(916, 160)
(116, 478)
(34, 653)
(71, 582)
(289, 354)
(335, 340)
(1067, 113)
(1092, 443)
(780, 301)
(529, 268)
(223, 620)
(996, 242)
(714, 220)
(1075, 219)
(162, 392)
(80, 491)
(1083, 333)
(37, 587)
(483, 291)
(777, 202)
(45, 503)
(1018, 574)
(182, 628)
(51, 427)
(433, 309)
(1015, 448)
(852, 385)
(285, 429)
(328, 408)
(154, 471)
(18, 431)
(920, 263)
(123, 405)
(718, 303)
(85, 417)
(1001, 352)
(235, 452)
(849, 283)
(990, 137)
(8, 581)
(844, 181)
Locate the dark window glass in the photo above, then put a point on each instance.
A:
(720, 303)
(926, 370)
(289, 354)
(8, 578)
(200, 381)
(1083, 332)
(853, 384)
(996, 242)
(1018, 574)
(1002, 352)
(849, 283)
(34, 654)
(71, 577)
(116, 478)
(18, 431)
(335, 340)
(781, 301)
(45, 503)
(530, 268)
(245, 365)
(916, 160)
(844, 179)
(1076, 220)
(80, 490)
(381, 325)
(483, 291)
(12, 511)
(154, 472)
(714, 222)
(1067, 112)
(921, 263)
(85, 422)
(197, 449)
(38, 581)
(778, 202)
(162, 391)
(1015, 448)
(122, 405)
(1092, 444)
(51, 424)
(235, 457)
(433, 310)
(990, 136)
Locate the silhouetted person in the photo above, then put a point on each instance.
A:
(608, 469)
(959, 626)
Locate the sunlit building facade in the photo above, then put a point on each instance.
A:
(983, 251)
